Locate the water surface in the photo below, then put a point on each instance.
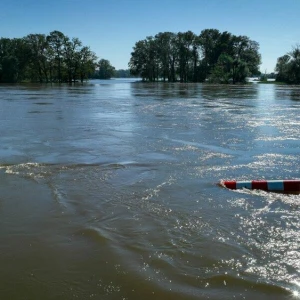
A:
(108, 191)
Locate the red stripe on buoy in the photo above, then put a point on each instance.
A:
(230, 184)
(291, 185)
(260, 185)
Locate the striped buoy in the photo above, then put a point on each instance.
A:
(284, 186)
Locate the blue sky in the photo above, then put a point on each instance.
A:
(111, 28)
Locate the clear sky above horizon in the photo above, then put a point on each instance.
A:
(111, 28)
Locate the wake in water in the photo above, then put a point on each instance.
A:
(38, 171)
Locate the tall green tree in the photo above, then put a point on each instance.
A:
(106, 70)
(288, 67)
(71, 52)
(240, 59)
(165, 43)
(152, 61)
(209, 42)
(245, 58)
(282, 68)
(87, 63)
(56, 40)
(187, 55)
(38, 65)
(143, 59)
(295, 65)
(222, 71)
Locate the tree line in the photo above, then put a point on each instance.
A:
(186, 57)
(213, 56)
(49, 58)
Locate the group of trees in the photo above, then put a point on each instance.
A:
(288, 67)
(107, 71)
(104, 70)
(121, 73)
(49, 58)
(213, 55)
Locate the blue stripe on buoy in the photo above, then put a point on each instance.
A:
(275, 185)
(244, 184)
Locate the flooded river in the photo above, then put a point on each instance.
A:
(108, 190)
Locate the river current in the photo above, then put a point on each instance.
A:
(108, 190)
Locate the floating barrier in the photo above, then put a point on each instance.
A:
(283, 186)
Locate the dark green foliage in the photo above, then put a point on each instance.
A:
(288, 67)
(9, 69)
(122, 73)
(14, 54)
(41, 58)
(106, 70)
(212, 55)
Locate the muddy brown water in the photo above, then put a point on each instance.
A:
(108, 190)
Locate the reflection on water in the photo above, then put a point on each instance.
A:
(108, 191)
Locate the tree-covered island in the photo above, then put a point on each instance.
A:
(186, 57)
(211, 56)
